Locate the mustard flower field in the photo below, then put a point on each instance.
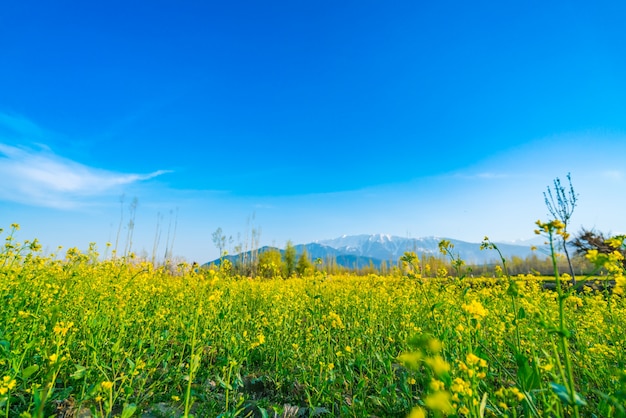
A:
(82, 336)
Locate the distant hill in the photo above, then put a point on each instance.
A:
(356, 251)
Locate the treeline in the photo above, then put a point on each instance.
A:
(272, 263)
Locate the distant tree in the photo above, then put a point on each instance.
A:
(270, 264)
(318, 263)
(290, 259)
(384, 270)
(131, 226)
(219, 240)
(304, 265)
(330, 264)
(561, 203)
(587, 240)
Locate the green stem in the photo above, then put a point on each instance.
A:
(563, 332)
(192, 362)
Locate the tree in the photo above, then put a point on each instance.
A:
(219, 240)
(270, 264)
(587, 240)
(304, 264)
(290, 259)
(561, 204)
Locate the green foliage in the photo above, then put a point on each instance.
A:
(270, 264)
(289, 257)
(116, 337)
(304, 266)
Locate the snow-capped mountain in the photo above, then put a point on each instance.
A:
(360, 250)
(388, 247)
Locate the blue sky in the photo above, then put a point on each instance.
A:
(307, 120)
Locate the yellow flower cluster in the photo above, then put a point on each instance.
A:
(613, 262)
(61, 328)
(133, 321)
(7, 384)
(475, 310)
(106, 385)
(509, 397)
(334, 319)
(260, 339)
(555, 226)
(465, 388)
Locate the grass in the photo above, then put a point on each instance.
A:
(123, 338)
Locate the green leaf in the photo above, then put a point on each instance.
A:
(129, 410)
(224, 384)
(79, 373)
(130, 363)
(527, 375)
(563, 394)
(263, 412)
(566, 333)
(436, 306)
(29, 371)
(521, 314)
(483, 405)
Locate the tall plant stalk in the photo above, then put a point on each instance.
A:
(550, 229)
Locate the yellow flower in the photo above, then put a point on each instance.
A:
(434, 345)
(417, 412)
(460, 386)
(498, 270)
(10, 383)
(61, 328)
(472, 359)
(106, 385)
(438, 364)
(475, 309)
(620, 284)
(411, 360)
(440, 401)
(436, 385)
(516, 392)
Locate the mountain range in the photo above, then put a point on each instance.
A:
(362, 250)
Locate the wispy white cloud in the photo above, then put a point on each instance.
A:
(33, 174)
(41, 178)
(491, 176)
